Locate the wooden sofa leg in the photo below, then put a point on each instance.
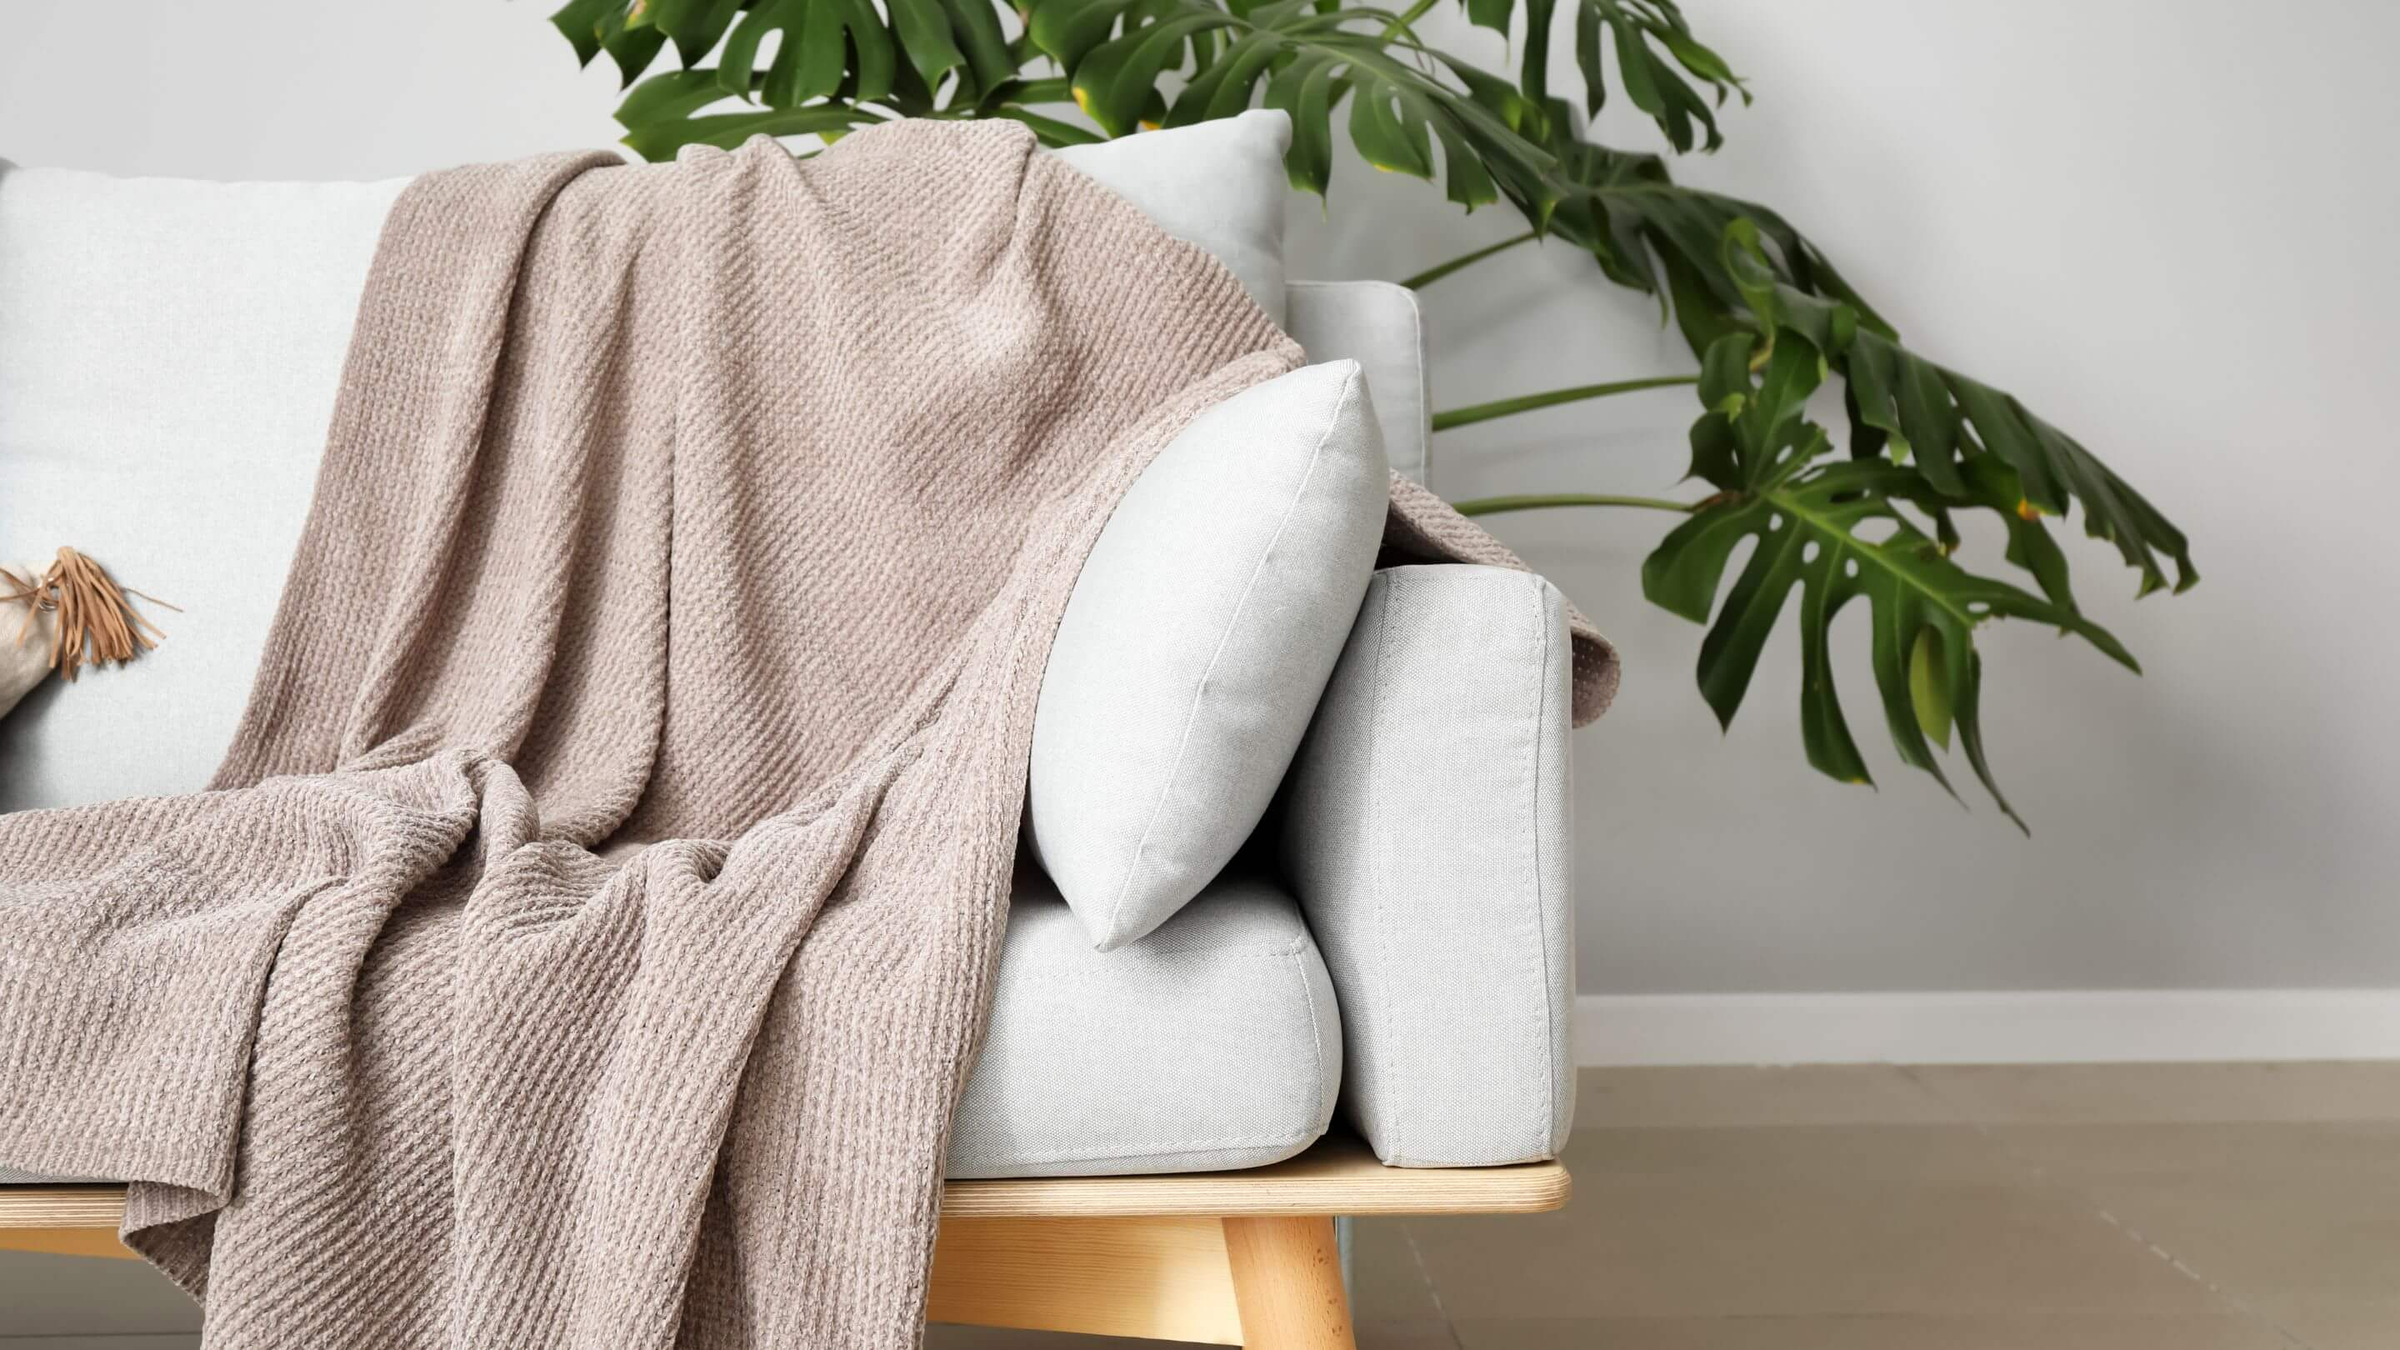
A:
(1287, 1280)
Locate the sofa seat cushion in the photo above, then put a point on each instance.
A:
(1212, 1045)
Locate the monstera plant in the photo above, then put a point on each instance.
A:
(1765, 313)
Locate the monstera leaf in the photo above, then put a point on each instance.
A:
(1726, 264)
(1938, 420)
(1307, 60)
(1654, 50)
(1924, 607)
(1914, 411)
(1836, 532)
(1648, 232)
(658, 121)
(835, 65)
(841, 63)
(1404, 97)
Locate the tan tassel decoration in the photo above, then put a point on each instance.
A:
(94, 621)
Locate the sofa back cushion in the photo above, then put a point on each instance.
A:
(1218, 184)
(169, 353)
(1377, 324)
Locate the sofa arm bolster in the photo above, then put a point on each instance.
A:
(1425, 832)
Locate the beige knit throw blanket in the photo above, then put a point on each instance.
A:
(594, 923)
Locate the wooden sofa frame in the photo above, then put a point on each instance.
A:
(1225, 1258)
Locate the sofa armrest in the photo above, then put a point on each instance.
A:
(1425, 832)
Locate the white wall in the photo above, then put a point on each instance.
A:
(2164, 223)
(2168, 227)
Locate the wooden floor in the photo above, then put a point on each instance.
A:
(2186, 1207)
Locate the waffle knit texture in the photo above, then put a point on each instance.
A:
(589, 932)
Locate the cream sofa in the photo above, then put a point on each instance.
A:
(1394, 948)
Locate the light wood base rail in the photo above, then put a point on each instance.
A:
(1223, 1258)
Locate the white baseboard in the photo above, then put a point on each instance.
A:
(2045, 1027)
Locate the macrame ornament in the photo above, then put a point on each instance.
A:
(90, 619)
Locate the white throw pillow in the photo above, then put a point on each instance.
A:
(1201, 632)
(1218, 184)
(24, 637)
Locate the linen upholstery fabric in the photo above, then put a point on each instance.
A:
(1219, 184)
(595, 928)
(1426, 830)
(1163, 729)
(1378, 325)
(1213, 1043)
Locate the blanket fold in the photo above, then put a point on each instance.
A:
(590, 930)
